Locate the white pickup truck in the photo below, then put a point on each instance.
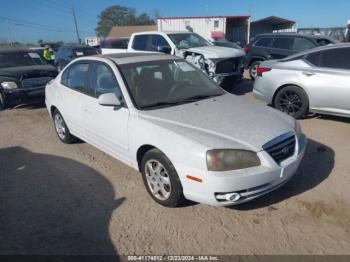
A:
(218, 62)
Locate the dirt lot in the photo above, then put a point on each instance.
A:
(74, 199)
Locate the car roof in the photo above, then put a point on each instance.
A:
(316, 49)
(163, 32)
(293, 35)
(128, 58)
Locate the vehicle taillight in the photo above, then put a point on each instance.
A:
(261, 70)
(246, 49)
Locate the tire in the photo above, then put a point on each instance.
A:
(161, 179)
(2, 102)
(292, 100)
(61, 128)
(252, 69)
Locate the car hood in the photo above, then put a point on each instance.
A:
(226, 121)
(29, 71)
(215, 52)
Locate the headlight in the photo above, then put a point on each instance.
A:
(297, 129)
(211, 64)
(231, 159)
(9, 85)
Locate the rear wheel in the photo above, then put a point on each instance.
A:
(2, 102)
(61, 129)
(293, 101)
(253, 69)
(161, 179)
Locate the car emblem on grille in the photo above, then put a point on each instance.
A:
(285, 150)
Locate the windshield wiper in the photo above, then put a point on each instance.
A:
(199, 97)
(162, 103)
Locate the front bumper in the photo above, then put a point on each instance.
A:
(249, 183)
(22, 94)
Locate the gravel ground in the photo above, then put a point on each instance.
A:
(74, 199)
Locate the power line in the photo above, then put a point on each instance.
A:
(38, 26)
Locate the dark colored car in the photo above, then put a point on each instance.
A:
(66, 54)
(277, 46)
(23, 76)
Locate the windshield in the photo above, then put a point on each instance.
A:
(227, 44)
(14, 59)
(188, 40)
(166, 83)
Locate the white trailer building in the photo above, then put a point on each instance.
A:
(233, 28)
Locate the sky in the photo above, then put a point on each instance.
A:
(51, 20)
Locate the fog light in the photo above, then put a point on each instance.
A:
(233, 197)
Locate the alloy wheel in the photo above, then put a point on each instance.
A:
(158, 179)
(60, 126)
(289, 102)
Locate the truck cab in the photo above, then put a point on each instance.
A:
(216, 61)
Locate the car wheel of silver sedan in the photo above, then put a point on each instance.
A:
(61, 128)
(161, 179)
(293, 101)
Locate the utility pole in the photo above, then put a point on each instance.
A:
(76, 25)
(9, 32)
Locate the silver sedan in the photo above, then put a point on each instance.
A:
(317, 81)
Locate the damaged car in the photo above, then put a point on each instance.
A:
(216, 61)
(24, 74)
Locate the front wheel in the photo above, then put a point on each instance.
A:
(61, 129)
(161, 179)
(293, 101)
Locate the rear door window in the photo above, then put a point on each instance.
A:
(301, 44)
(264, 42)
(157, 41)
(283, 43)
(338, 58)
(140, 42)
(313, 58)
(77, 76)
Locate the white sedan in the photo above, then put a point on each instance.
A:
(167, 119)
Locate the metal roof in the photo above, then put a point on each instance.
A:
(199, 17)
(273, 20)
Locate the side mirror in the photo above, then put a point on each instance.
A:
(109, 99)
(164, 49)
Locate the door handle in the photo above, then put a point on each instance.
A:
(309, 73)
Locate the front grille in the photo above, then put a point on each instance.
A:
(228, 65)
(35, 82)
(282, 149)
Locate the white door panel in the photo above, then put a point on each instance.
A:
(69, 103)
(328, 88)
(106, 126)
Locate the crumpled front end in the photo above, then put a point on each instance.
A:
(217, 68)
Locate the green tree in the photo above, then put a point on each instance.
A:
(117, 15)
